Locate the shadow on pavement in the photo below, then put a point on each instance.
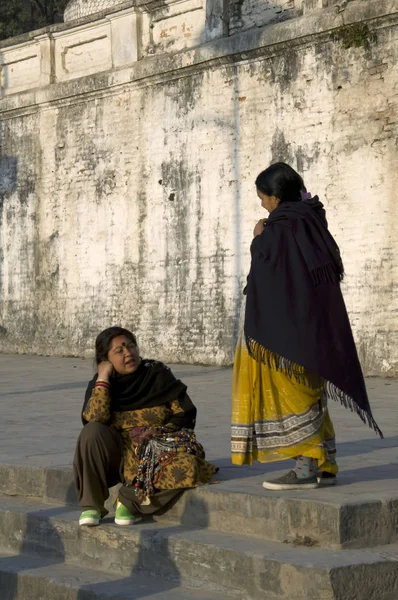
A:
(370, 473)
(50, 546)
(154, 553)
(154, 572)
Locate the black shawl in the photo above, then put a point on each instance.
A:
(295, 312)
(152, 384)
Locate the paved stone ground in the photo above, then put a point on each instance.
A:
(41, 398)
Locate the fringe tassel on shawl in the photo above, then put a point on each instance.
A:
(298, 373)
(338, 395)
(326, 274)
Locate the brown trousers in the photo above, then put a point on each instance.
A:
(98, 465)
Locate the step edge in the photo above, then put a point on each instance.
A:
(180, 533)
(210, 490)
(219, 592)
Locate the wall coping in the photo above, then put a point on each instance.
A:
(264, 41)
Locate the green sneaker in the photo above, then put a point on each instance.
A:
(123, 516)
(90, 518)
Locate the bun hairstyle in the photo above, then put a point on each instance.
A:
(281, 181)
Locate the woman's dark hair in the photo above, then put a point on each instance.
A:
(281, 181)
(104, 341)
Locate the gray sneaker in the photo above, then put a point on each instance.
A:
(325, 478)
(290, 481)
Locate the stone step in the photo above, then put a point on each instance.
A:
(330, 521)
(25, 577)
(238, 565)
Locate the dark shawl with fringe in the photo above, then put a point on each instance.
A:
(295, 312)
(152, 384)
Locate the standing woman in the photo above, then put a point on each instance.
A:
(297, 350)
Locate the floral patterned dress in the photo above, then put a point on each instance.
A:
(184, 471)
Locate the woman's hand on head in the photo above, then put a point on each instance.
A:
(259, 228)
(105, 370)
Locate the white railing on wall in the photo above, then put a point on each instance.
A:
(110, 42)
(117, 40)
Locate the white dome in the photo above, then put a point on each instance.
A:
(76, 9)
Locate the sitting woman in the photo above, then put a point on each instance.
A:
(138, 430)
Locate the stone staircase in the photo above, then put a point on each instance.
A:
(212, 544)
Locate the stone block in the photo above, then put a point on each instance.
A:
(125, 35)
(173, 26)
(59, 487)
(25, 481)
(20, 68)
(82, 51)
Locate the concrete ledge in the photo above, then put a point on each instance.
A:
(274, 517)
(22, 481)
(24, 577)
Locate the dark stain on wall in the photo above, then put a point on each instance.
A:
(177, 180)
(8, 177)
(281, 149)
(26, 187)
(19, 149)
(235, 11)
(8, 183)
(185, 92)
(105, 183)
(286, 68)
(298, 157)
(304, 159)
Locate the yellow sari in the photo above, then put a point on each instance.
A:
(275, 418)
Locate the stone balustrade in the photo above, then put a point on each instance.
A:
(118, 38)
(115, 40)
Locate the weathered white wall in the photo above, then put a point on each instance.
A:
(128, 197)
